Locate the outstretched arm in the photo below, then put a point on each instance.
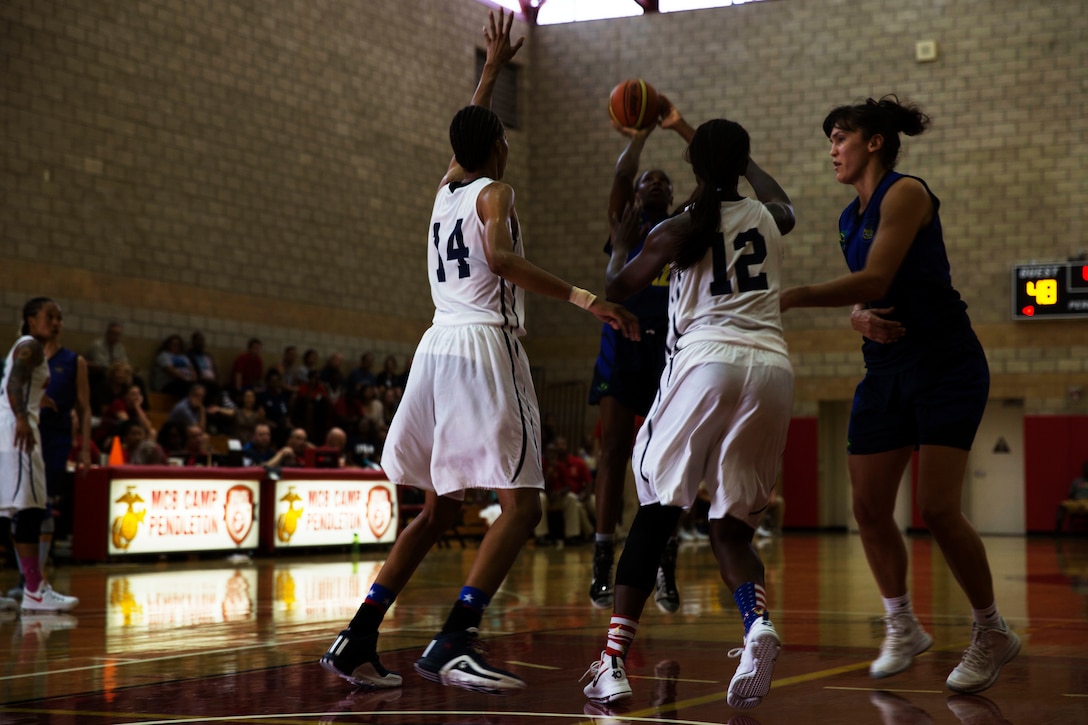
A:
(495, 205)
(499, 52)
(623, 278)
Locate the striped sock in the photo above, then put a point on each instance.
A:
(473, 598)
(372, 610)
(621, 633)
(751, 599)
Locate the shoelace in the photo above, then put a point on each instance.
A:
(896, 631)
(591, 672)
(977, 655)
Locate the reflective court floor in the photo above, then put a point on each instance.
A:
(216, 640)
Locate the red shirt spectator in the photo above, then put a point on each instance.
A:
(248, 370)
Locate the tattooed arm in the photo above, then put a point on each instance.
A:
(27, 356)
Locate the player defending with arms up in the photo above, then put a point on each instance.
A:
(626, 372)
(469, 416)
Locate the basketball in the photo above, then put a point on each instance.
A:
(634, 104)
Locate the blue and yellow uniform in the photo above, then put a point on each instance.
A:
(929, 387)
(630, 370)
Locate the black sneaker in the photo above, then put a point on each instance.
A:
(456, 659)
(665, 593)
(355, 658)
(600, 591)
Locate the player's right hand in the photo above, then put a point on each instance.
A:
(497, 35)
(872, 324)
(617, 318)
(669, 115)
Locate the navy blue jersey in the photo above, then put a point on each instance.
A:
(929, 308)
(62, 391)
(652, 302)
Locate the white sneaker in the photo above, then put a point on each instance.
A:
(903, 639)
(607, 680)
(47, 600)
(990, 649)
(752, 680)
(8, 605)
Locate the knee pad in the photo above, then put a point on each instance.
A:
(650, 531)
(28, 525)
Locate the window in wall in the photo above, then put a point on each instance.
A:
(674, 6)
(568, 11)
(504, 99)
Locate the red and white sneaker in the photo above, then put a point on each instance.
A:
(46, 600)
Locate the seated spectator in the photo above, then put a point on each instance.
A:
(121, 410)
(246, 417)
(292, 454)
(207, 374)
(259, 450)
(567, 487)
(362, 375)
(104, 352)
(114, 388)
(334, 364)
(248, 369)
(131, 434)
(1076, 501)
(338, 439)
(311, 406)
(191, 410)
(365, 447)
(149, 453)
(372, 408)
(289, 368)
(276, 402)
(388, 376)
(198, 447)
(171, 439)
(173, 372)
(390, 402)
(309, 364)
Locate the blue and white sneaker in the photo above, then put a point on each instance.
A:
(456, 659)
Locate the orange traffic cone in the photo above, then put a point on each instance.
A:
(117, 456)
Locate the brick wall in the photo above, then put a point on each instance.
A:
(264, 168)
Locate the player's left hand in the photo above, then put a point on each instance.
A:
(48, 402)
(871, 323)
(669, 115)
(617, 318)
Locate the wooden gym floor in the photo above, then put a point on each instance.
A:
(212, 641)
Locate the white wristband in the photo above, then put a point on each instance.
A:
(582, 298)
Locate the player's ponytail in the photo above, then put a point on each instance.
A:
(887, 117)
(718, 154)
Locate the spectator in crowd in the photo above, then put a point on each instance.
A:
(388, 377)
(198, 447)
(311, 406)
(365, 447)
(1076, 501)
(259, 450)
(173, 372)
(128, 407)
(108, 398)
(207, 374)
(289, 368)
(149, 453)
(338, 439)
(347, 409)
(362, 375)
(390, 402)
(131, 434)
(246, 417)
(294, 453)
(567, 489)
(338, 403)
(192, 410)
(104, 352)
(248, 369)
(171, 439)
(334, 364)
(371, 407)
(275, 401)
(309, 364)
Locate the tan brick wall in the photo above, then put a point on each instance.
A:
(266, 168)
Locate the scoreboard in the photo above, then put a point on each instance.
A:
(1057, 290)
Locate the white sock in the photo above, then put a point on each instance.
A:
(988, 617)
(898, 605)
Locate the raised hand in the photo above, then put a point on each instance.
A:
(497, 35)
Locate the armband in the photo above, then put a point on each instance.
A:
(582, 298)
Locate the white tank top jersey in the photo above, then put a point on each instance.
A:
(39, 381)
(465, 291)
(731, 294)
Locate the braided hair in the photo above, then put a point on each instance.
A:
(472, 132)
(31, 309)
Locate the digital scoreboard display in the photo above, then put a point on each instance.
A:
(1058, 290)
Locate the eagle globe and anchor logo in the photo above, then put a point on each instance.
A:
(127, 525)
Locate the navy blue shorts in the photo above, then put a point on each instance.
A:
(938, 402)
(630, 371)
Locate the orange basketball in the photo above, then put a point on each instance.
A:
(634, 104)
